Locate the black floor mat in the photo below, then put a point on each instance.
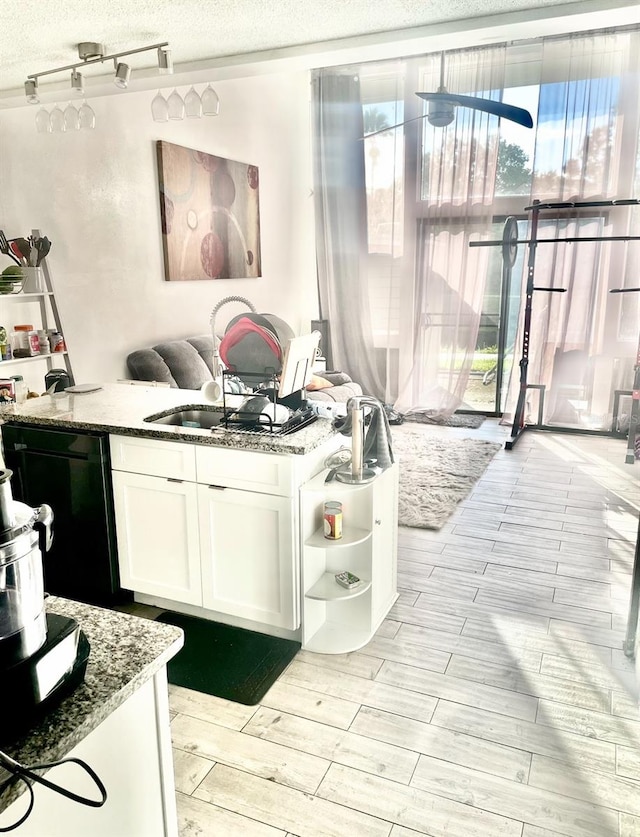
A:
(228, 662)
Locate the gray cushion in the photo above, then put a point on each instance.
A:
(187, 364)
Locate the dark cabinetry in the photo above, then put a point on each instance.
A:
(70, 471)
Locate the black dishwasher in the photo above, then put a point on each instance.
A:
(69, 470)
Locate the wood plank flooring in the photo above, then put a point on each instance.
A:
(495, 700)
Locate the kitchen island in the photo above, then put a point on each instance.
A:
(206, 520)
(227, 525)
(117, 720)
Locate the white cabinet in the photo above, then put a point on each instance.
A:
(248, 557)
(131, 753)
(157, 532)
(215, 529)
(336, 620)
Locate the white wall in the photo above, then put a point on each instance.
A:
(95, 195)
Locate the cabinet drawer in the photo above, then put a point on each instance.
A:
(267, 473)
(156, 457)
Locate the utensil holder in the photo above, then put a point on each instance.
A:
(33, 280)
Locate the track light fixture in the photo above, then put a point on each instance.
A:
(91, 52)
(123, 74)
(76, 82)
(31, 91)
(165, 61)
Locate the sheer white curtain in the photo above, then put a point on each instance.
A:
(586, 150)
(341, 224)
(442, 312)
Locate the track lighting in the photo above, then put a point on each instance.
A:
(76, 82)
(165, 61)
(91, 52)
(31, 91)
(123, 74)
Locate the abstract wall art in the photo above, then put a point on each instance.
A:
(210, 215)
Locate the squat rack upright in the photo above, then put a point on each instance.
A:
(509, 244)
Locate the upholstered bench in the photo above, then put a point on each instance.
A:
(188, 364)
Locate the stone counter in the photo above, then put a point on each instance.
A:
(121, 408)
(126, 651)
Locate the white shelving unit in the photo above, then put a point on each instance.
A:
(336, 620)
(43, 311)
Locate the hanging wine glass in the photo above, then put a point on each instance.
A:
(87, 116)
(176, 106)
(193, 105)
(71, 118)
(57, 120)
(210, 101)
(43, 123)
(160, 108)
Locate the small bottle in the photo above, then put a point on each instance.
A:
(5, 347)
(21, 388)
(43, 341)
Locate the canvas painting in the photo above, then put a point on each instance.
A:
(210, 215)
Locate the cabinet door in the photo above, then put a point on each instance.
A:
(384, 543)
(249, 566)
(157, 529)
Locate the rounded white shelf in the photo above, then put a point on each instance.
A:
(350, 536)
(333, 638)
(327, 589)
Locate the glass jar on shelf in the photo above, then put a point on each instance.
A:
(21, 388)
(24, 341)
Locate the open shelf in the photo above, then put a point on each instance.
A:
(336, 638)
(15, 360)
(350, 537)
(26, 295)
(327, 589)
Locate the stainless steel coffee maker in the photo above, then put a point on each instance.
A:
(23, 530)
(41, 654)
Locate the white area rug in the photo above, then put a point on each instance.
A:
(436, 473)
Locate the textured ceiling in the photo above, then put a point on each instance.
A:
(42, 34)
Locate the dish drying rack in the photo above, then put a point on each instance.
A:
(266, 385)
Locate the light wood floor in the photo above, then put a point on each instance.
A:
(495, 701)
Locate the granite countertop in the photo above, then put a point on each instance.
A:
(121, 408)
(126, 651)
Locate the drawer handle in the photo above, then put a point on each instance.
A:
(218, 487)
(378, 522)
(173, 479)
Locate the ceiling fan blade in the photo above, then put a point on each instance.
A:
(511, 112)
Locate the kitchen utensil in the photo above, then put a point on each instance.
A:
(4, 248)
(24, 247)
(43, 245)
(16, 252)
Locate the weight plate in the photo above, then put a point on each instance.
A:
(510, 241)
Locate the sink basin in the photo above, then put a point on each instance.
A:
(204, 417)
